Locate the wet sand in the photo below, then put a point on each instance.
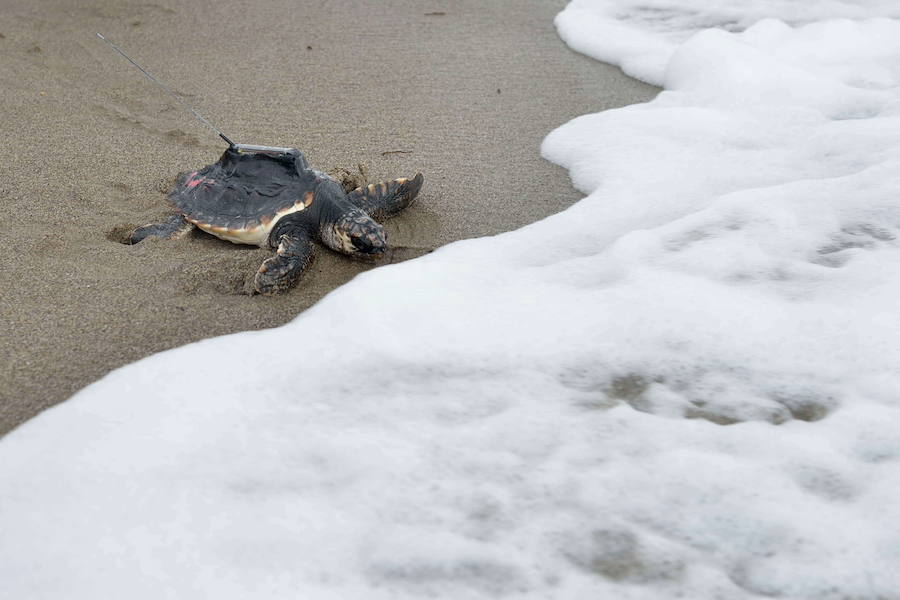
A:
(463, 91)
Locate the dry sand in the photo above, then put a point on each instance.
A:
(465, 89)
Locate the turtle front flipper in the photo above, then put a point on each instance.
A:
(384, 200)
(172, 228)
(279, 273)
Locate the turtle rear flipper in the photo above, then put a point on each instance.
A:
(384, 200)
(172, 228)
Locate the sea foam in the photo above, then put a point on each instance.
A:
(685, 385)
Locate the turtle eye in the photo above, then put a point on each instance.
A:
(362, 243)
(358, 234)
(369, 241)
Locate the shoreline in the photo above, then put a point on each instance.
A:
(458, 92)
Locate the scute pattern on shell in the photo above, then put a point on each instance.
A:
(243, 195)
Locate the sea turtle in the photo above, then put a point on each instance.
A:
(280, 202)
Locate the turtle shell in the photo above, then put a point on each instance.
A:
(240, 197)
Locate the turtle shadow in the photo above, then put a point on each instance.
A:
(232, 273)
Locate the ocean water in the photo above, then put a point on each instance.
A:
(685, 385)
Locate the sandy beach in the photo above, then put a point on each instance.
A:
(462, 91)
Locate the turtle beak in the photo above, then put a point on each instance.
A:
(369, 244)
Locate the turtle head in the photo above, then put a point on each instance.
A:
(355, 233)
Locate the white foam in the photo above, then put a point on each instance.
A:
(685, 385)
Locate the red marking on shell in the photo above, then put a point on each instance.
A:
(192, 183)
